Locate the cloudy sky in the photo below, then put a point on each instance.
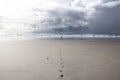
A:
(59, 16)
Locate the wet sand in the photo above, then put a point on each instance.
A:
(60, 60)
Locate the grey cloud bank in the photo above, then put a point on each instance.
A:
(108, 22)
(98, 17)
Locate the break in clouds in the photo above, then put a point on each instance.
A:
(59, 16)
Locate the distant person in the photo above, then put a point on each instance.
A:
(61, 37)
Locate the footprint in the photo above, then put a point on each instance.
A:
(60, 71)
(61, 75)
(62, 66)
(47, 58)
(61, 63)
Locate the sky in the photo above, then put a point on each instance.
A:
(20, 17)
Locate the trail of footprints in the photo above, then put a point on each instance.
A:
(61, 64)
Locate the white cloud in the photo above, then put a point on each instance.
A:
(112, 4)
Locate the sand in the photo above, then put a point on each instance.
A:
(60, 60)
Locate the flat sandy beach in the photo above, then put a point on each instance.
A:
(60, 60)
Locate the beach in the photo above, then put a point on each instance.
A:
(60, 60)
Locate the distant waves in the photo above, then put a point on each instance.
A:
(59, 37)
(72, 37)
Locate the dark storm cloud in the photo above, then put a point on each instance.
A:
(100, 17)
(67, 18)
(105, 1)
(64, 21)
(108, 21)
(67, 21)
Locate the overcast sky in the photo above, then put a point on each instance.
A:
(60, 16)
